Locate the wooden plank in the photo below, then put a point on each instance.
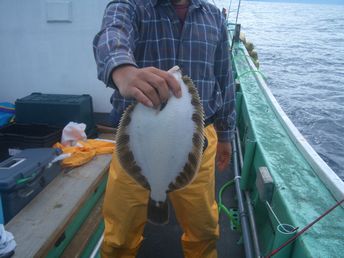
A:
(38, 226)
(106, 130)
(80, 240)
(109, 136)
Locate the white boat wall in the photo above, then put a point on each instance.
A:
(46, 46)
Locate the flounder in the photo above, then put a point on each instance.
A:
(161, 149)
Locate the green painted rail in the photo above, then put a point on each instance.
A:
(299, 194)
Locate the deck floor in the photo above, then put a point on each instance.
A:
(164, 241)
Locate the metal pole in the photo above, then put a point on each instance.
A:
(238, 10)
(229, 8)
(97, 247)
(243, 216)
(253, 225)
(249, 204)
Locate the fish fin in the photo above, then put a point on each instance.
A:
(123, 152)
(191, 167)
(157, 212)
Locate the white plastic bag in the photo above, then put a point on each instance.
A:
(72, 133)
(7, 243)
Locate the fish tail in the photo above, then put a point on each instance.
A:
(157, 212)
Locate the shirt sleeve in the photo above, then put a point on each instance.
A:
(225, 117)
(115, 44)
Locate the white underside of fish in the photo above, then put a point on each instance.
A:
(162, 140)
(161, 148)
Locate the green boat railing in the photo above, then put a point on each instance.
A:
(304, 186)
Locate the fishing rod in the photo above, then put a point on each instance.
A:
(238, 10)
(305, 229)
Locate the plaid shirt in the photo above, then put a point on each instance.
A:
(147, 33)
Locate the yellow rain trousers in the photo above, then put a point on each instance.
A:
(125, 210)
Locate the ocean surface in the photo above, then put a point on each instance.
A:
(301, 52)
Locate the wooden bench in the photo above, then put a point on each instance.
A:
(41, 226)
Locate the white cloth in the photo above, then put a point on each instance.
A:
(72, 133)
(7, 242)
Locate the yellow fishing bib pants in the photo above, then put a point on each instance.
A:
(125, 210)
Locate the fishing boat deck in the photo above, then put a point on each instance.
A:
(164, 241)
(42, 227)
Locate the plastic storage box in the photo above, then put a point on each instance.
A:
(23, 176)
(22, 136)
(56, 109)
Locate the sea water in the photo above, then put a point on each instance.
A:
(301, 53)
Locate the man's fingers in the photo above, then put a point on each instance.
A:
(222, 162)
(160, 86)
(150, 85)
(150, 92)
(140, 97)
(171, 81)
(223, 155)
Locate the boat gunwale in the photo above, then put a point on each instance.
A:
(330, 179)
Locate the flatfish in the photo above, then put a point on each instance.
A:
(162, 148)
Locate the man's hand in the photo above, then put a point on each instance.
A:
(223, 155)
(149, 86)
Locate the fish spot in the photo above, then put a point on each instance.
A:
(181, 181)
(197, 140)
(125, 121)
(127, 159)
(122, 139)
(171, 187)
(194, 102)
(197, 118)
(136, 169)
(188, 171)
(192, 160)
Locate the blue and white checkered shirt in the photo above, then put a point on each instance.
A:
(147, 33)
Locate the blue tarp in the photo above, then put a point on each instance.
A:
(7, 111)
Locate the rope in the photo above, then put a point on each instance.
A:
(237, 178)
(244, 55)
(275, 216)
(304, 229)
(251, 71)
(224, 208)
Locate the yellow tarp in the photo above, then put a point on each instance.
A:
(84, 151)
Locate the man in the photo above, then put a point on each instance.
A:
(139, 41)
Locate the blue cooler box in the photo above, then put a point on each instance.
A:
(23, 176)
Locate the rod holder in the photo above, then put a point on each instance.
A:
(283, 233)
(236, 35)
(237, 32)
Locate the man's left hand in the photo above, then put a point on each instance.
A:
(223, 155)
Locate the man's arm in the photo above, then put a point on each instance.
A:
(225, 117)
(114, 48)
(114, 45)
